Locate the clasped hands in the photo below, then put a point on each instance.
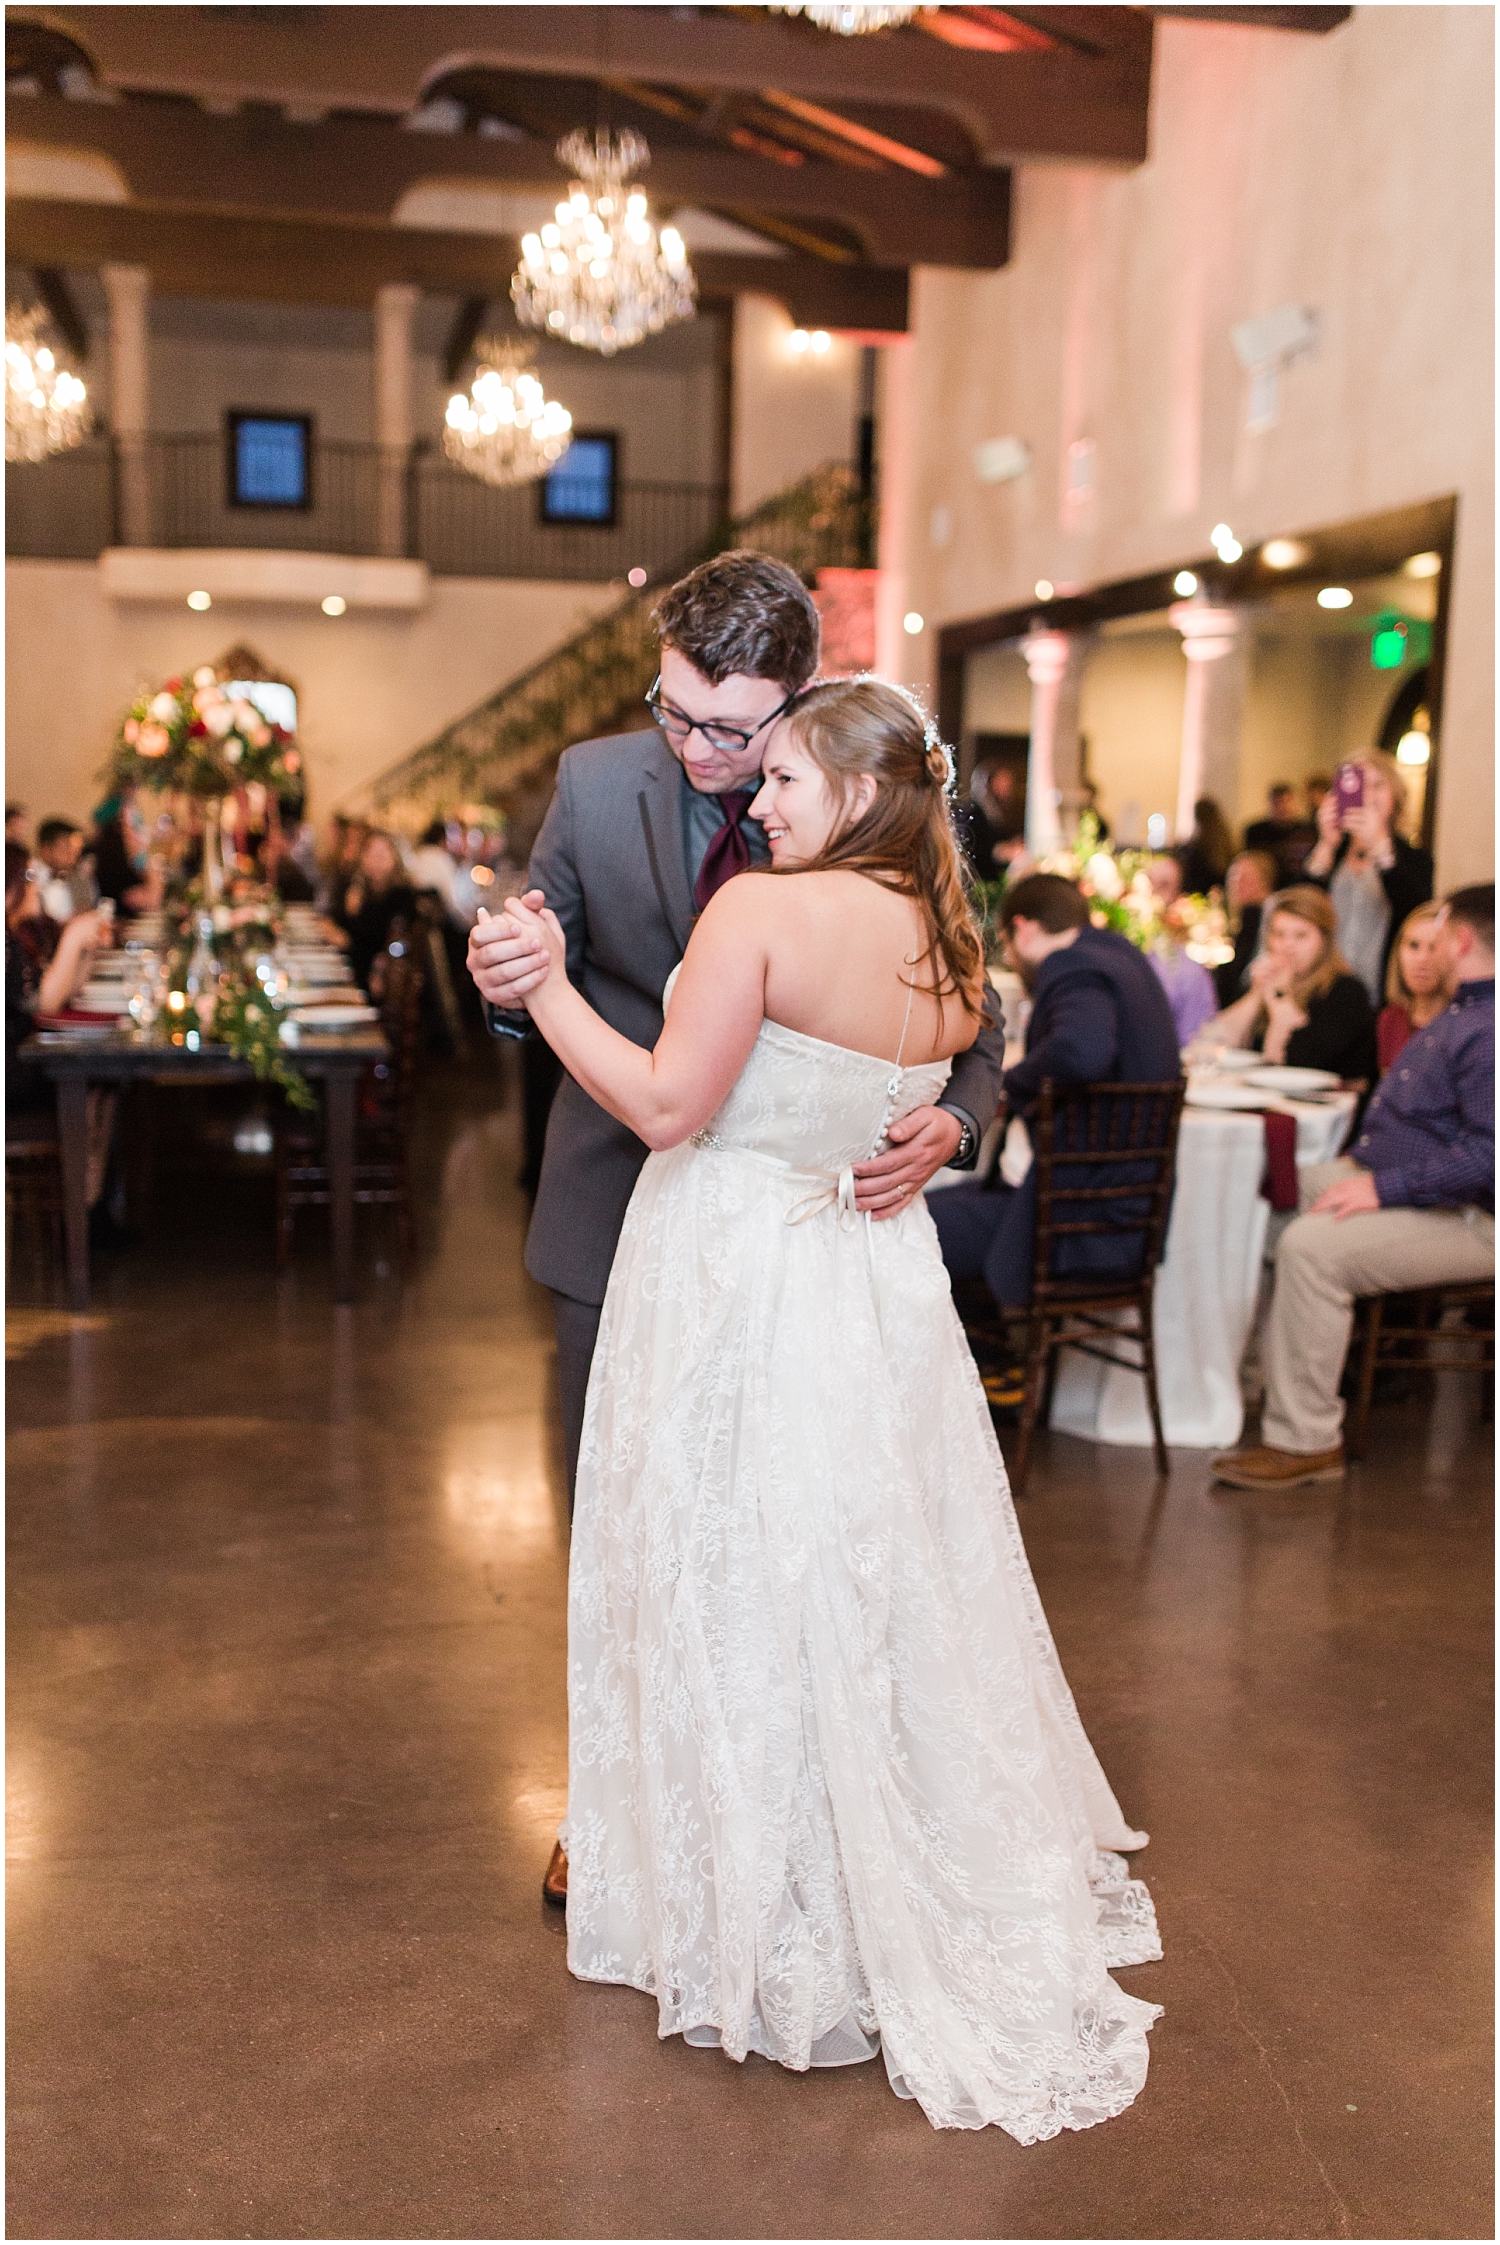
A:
(511, 956)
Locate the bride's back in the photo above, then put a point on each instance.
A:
(846, 962)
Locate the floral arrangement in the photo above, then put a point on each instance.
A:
(1118, 887)
(246, 1014)
(191, 734)
(247, 1020)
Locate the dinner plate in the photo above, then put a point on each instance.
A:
(103, 997)
(334, 1017)
(1293, 1083)
(1230, 1096)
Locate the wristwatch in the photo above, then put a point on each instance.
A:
(964, 1152)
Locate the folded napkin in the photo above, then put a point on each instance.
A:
(78, 1017)
(1279, 1184)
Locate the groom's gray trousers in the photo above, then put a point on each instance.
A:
(577, 1330)
(613, 861)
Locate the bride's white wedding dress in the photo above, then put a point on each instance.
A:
(828, 1789)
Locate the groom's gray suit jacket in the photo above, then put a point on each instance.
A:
(612, 862)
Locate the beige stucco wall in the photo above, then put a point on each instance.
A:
(373, 684)
(790, 413)
(1352, 173)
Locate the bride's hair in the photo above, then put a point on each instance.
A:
(853, 726)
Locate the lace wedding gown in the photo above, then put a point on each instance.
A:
(828, 1790)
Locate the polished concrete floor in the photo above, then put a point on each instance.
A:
(287, 1754)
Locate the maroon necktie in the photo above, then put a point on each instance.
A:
(728, 853)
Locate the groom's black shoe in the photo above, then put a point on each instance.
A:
(555, 1884)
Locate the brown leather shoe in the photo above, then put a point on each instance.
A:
(1265, 1468)
(555, 1884)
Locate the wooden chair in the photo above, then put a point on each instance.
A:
(1083, 1138)
(33, 1177)
(1415, 1340)
(382, 1123)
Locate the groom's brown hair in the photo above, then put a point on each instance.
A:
(742, 614)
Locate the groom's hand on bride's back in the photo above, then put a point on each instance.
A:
(505, 960)
(920, 1144)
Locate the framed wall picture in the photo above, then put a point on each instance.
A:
(269, 459)
(583, 488)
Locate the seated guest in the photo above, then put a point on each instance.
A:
(1281, 834)
(45, 968)
(1412, 1206)
(67, 885)
(1247, 884)
(1373, 874)
(432, 866)
(123, 865)
(1303, 1006)
(1165, 876)
(1189, 986)
(1205, 855)
(1417, 987)
(376, 899)
(1098, 1015)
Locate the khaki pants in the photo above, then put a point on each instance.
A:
(1322, 1265)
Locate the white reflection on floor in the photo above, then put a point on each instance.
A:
(496, 1492)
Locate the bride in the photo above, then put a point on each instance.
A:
(828, 1791)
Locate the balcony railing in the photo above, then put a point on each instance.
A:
(67, 508)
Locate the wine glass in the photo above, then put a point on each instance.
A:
(143, 989)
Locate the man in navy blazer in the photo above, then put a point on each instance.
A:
(1099, 1015)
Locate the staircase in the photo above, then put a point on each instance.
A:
(594, 683)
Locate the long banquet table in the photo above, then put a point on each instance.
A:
(337, 1059)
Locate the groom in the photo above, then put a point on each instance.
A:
(642, 830)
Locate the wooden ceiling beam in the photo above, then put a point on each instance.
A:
(346, 169)
(302, 261)
(1084, 101)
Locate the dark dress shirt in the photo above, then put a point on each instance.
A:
(1429, 1131)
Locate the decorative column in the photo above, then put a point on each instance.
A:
(1216, 642)
(896, 653)
(128, 288)
(1055, 664)
(395, 312)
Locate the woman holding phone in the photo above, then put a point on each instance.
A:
(1375, 878)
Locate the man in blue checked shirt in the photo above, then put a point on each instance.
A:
(1411, 1205)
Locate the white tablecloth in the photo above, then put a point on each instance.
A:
(1206, 1288)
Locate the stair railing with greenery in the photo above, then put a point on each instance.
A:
(594, 681)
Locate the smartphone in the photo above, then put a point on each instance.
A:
(1349, 788)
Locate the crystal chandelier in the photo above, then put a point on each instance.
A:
(848, 16)
(600, 275)
(506, 430)
(46, 408)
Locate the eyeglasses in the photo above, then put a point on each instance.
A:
(728, 739)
